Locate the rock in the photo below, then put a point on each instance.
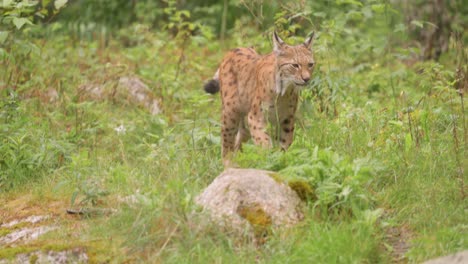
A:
(457, 258)
(25, 234)
(240, 198)
(139, 93)
(92, 92)
(127, 90)
(51, 95)
(30, 219)
(76, 255)
(21, 236)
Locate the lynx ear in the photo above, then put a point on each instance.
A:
(308, 42)
(277, 42)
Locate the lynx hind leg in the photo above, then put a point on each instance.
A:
(229, 131)
(242, 136)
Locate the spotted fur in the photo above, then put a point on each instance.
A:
(261, 89)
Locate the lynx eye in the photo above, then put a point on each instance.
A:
(295, 65)
(311, 65)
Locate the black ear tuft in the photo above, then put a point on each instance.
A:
(212, 86)
(308, 42)
(277, 42)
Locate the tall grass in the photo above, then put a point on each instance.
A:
(379, 144)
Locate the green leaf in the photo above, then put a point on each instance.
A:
(371, 216)
(351, 2)
(408, 142)
(282, 21)
(7, 3)
(60, 3)
(319, 14)
(346, 191)
(396, 123)
(354, 15)
(378, 8)
(20, 21)
(400, 28)
(25, 4)
(417, 23)
(3, 53)
(185, 13)
(3, 36)
(73, 198)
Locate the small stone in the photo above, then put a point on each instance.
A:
(139, 93)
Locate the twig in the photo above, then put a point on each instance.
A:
(181, 57)
(223, 21)
(259, 21)
(167, 240)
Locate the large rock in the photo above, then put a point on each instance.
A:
(458, 258)
(240, 198)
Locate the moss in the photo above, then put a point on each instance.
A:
(11, 252)
(19, 226)
(254, 214)
(56, 247)
(303, 190)
(5, 231)
(275, 176)
(33, 259)
(100, 251)
(258, 219)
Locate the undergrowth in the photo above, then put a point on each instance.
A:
(379, 143)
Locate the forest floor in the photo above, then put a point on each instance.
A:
(25, 220)
(379, 144)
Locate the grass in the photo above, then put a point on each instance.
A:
(385, 154)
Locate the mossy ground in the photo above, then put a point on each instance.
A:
(67, 235)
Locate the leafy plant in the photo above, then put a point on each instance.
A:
(337, 185)
(26, 152)
(15, 18)
(90, 191)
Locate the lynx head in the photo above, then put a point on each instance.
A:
(295, 63)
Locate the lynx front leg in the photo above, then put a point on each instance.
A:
(286, 120)
(287, 132)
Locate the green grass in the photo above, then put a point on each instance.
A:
(385, 154)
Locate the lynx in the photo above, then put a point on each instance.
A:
(261, 89)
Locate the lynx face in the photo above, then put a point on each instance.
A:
(295, 64)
